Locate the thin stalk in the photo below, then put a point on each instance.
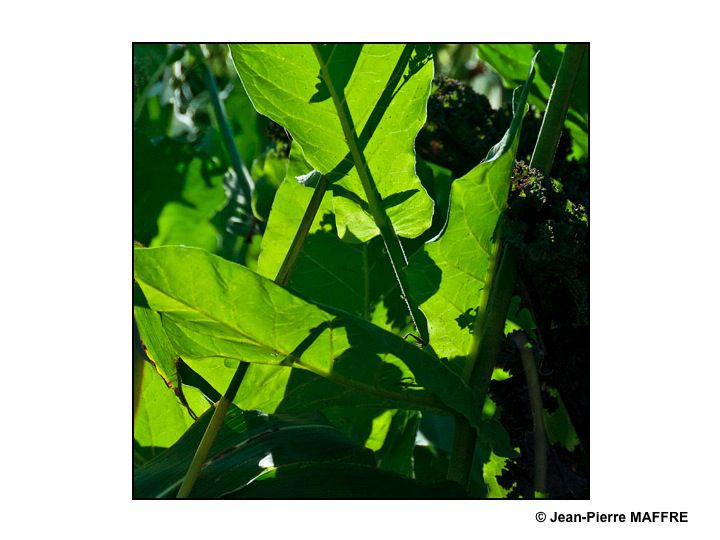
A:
(394, 248)
(216, 422)
(536, 407)
(554, 119)
(244, 178)
(224, 403)
(287, 265)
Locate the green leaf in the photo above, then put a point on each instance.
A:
(519, 318)
(175, 194)
(157, 345)
(558, 424)
(356, 278)
(268, 171)
(248, 443)
(216, 310)
(389, 433)
(188, 221)
(396, 453)
(385, 88)
(512, 61)
(244, 123)
(343, 481)
(450, 277)
(161, 419)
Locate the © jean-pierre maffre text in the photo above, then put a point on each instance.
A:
(634, 517)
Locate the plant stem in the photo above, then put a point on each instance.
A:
(463, 448)
(536, 407)
(554, 119)
(489, 327)
(291, 256)
(208, 438)
(142, 98)
(485, 347)
(222, 406)
(244, 178)
(394, 248)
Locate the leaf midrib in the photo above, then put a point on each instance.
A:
(388, 394)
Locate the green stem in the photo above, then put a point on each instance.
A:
(536, 407)
(554, 119)
(463, 448)
(487, 339)
(244, 178)
(394, 248)
(222, 406)
(216, 422)
(490, 324)
(291, 256)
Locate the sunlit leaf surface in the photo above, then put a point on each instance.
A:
(386, 89)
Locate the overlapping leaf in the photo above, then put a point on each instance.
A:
(216, 310)
(385, 88)
(161, 419)
(355, 278)
(248, 443)
(343, 481)
(450, 278)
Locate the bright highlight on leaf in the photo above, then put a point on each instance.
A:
(385, 88)
(341, 301)
(450, 277)
(205, 302)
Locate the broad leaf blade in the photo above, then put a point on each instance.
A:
(161, 419)
(356, 278)
(386, 89)
(155, 343)
(343, 481)
(175, 195)
(217, 310)
(450, 278)
(249, 442)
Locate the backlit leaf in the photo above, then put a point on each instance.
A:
(450, 277)
(385, 88)
(216, 310)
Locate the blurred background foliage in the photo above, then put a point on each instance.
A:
(186, 191)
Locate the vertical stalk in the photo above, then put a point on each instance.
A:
(542, 159)
(488, 336)
(485, 347)
(244, 178)
(288, 263)
(536, 407)
(395, 251)
(554, 119)
(208, 438)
